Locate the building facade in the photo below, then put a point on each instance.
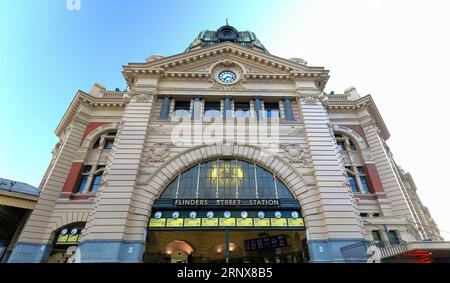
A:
(223, 153)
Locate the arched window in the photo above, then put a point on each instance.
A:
(354, 164)
(92, 172)
(91, 177)
(105, 141)
(226, 179)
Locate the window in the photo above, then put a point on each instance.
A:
(345, 143)
(341, 145)
(107, 140)
(393, 238)
(90, 178)
(357, 179)
(212, 109)
(241, 110)
(96, 179)
(109, 144)
(227, 179)
(84, 178)
(182, 108)
(377, 238)
(272, 110)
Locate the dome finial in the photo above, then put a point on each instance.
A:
(226, 21)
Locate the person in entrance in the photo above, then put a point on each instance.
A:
(190, 258)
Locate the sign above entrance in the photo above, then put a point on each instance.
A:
(226, 202)
(274, 223)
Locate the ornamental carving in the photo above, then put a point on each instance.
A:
(223, 65)
(157, 152)
(140, 97)
(310, 100)
(294, 153)
(295, 131)
(157, 129)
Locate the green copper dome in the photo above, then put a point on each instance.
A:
(227, 33)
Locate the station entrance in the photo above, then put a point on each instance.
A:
(226, 210)
(252, 246)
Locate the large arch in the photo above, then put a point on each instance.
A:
(150, 189)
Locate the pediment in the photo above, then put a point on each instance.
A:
(206, 66)
(201, 62)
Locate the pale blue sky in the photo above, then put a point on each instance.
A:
(395, 50)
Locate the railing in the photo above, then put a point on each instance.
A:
(377, 252)
(114, 94)
(337, 97)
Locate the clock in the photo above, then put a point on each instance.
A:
(261, 214)
(227, 77)
(210, 214)
(227, 214)
(294, 214)
(158, 215)
(277, 214)
(175, 214)
(193, 214)
(244, 214)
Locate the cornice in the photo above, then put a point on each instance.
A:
(83, 98)
(363, 102)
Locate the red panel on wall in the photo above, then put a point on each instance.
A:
(74, 177)
(358, 129)
(90, 127)
(373, 178)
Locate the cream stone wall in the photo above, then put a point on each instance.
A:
(144, 159)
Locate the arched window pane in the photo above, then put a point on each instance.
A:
(208, 180)
(82, 184)
(364, 184)
(246, 184)
(266, 186)
(188, 183)
(352, 181)
(221, 178)
(227, 174)
(283, 191)
(171, 190)
(96, 183)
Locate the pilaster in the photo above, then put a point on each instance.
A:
(109, 224)
(337, 222)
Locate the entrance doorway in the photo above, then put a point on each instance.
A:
(245, 246)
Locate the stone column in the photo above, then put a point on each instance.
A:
(332, 219)
(288, 114)
(227, 107)
(35, 242)
(257, 106)
(165, 108)
(108, 226)
(196, 109)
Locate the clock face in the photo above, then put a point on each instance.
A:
(227, 77)
(277, 214)
(158, 214)
(227, 214)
